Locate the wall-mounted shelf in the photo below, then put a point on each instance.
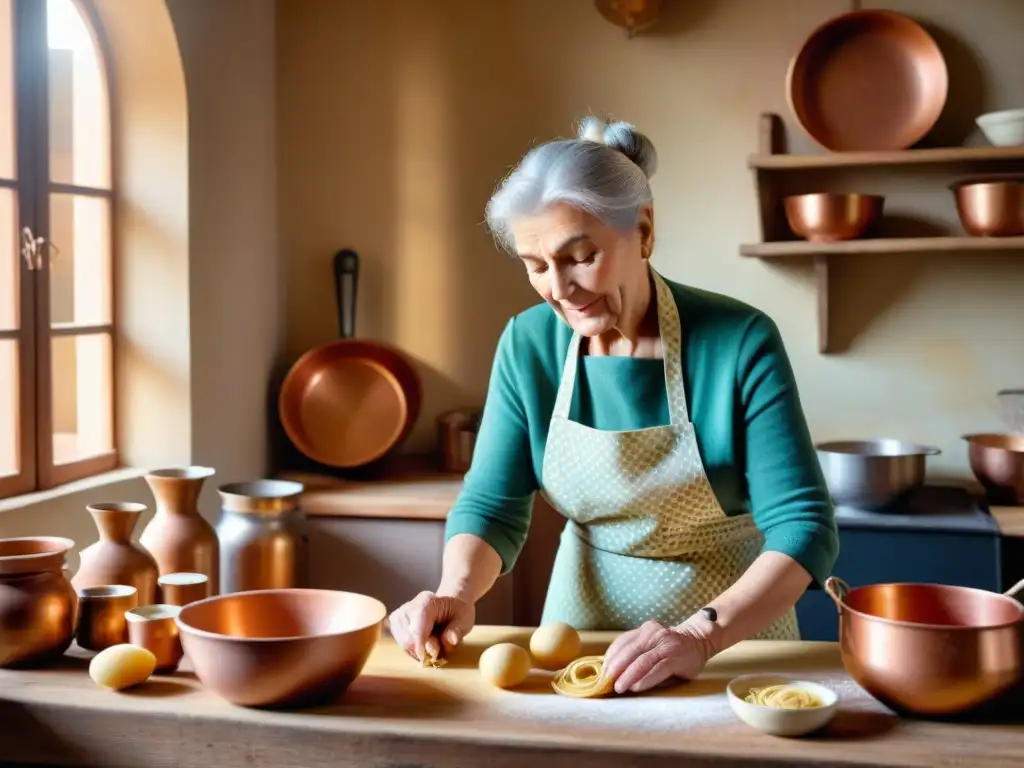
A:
(776, 170)
(952, 156)
(895, 245)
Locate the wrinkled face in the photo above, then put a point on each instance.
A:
(587, 271)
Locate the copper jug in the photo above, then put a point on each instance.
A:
(178, 537)
(264, 538)
(115, 559)
(38, 607)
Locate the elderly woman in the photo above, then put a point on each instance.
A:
(662, 421)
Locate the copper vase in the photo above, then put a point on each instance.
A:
(115, 559)
(178, 537)
(38, 607)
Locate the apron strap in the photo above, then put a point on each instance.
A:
(672, 345)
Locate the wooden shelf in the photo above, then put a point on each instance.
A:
(939, 156)
(772, 161)
(791, 248)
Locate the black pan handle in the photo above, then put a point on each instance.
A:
(346, 278)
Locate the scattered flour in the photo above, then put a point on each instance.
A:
(633, 713)
(659, 712)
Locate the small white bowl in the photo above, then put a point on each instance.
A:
(1004, 128)
(777, 721)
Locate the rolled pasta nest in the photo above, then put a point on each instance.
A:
(783, 697)
(583, 679)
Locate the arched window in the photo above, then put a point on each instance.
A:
(56, 265)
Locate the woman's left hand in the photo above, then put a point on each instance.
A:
(642, 658)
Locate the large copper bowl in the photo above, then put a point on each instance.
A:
(280, 647)
(929, 649)
(997, 460)
(991, 208)
(828, 217)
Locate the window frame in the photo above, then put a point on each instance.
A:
(34, 192)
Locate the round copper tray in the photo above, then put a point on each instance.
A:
(868, 80)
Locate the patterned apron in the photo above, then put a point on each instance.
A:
(645, 538)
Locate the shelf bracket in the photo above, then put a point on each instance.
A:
(821, 288)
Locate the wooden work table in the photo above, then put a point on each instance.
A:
(397, 714)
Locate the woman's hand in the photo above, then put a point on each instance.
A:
(428, 614)
(642, 658)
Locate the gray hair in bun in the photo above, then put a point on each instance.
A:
(605, 172)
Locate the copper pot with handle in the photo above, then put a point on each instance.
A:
(930, 649)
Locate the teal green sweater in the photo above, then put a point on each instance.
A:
(742, 399)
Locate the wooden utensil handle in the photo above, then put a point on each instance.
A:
(346, 278)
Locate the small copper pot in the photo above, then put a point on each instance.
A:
(183, 588)
(929, 649)
(155, 628)
(828, 217)
(991, 208)
(38, 607)
(101, 615)
(997, 460)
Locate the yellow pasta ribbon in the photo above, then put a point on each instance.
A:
(583, 679)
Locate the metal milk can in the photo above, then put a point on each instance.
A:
(264, 536)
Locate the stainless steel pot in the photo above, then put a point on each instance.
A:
(873, 474)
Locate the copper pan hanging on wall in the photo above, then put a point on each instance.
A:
(349, 402)
(868, 80)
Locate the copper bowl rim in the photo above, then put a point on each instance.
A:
(934, 627)
(873, 198)
(65, 545)
(1012, 180)
(843, 18)
(187, 628)
(979, 439)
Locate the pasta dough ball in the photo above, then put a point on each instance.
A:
(121, 666)
(505, 665)
(554, 645)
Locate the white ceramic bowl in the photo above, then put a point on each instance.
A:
(777, 721)
(1004, 128)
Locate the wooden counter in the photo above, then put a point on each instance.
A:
(397, 714)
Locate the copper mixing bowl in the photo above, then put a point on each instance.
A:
(827, 217)
(991, 208)
(997, 460)
(280, 647)
(929, 649)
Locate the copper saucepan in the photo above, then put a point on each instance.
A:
(351, 401)
(929, 649)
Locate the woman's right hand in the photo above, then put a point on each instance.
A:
(427, 614)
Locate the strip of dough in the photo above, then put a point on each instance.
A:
(432, 653)
(583, 679)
